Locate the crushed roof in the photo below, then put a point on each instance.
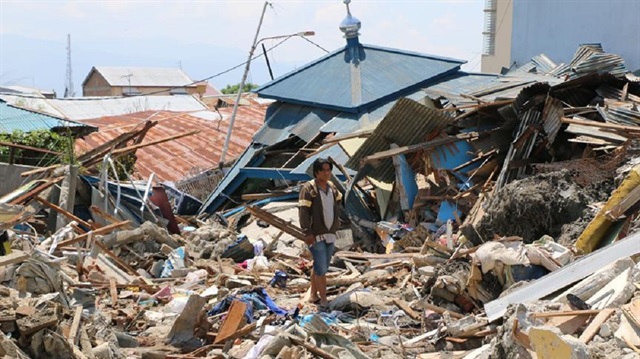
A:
(384, 73)
(186, 156)
(142, 76)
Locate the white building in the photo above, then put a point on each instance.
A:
(517, 30)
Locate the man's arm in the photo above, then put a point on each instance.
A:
(304, 214)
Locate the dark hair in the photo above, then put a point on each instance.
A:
(317, 165)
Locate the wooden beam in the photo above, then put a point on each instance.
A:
(151, 143)
(23, 147)
(113, 291)
(349, 136)
(50, 182)
(407, 309)
(77, 317)
(440, 310)
(63, 211)
(13, 257)
(568, 313)
(276, 222)
(606, 125)
(420, 146)
(101, 230)
(313, 349)
(122, 265)
(595, 324)
(235, 318)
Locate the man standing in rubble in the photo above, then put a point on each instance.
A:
(319, 206)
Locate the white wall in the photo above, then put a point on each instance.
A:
(557, 27)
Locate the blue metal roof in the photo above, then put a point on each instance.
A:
(17, 119)
(284, 119)
(384, 73)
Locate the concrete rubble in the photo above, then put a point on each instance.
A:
(527, 246)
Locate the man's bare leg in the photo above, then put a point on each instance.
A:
(321, 285)
(314, 287)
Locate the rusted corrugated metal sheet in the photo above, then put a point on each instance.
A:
(174, 160)
(407, 123)
(551, 118)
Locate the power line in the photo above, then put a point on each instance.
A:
(227, 70)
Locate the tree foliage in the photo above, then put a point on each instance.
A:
(231, 89)
(43, 139)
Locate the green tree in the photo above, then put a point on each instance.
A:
(231, 89)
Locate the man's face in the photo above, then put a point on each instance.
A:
(324, 174)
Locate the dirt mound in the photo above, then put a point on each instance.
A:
(533, 207)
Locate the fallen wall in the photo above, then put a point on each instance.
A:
(11, 177)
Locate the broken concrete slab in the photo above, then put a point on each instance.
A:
(586, 288)
(565, 276)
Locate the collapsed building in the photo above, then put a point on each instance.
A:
(486, 216)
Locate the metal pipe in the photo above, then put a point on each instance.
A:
(244, 78)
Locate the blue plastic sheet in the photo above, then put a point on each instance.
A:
(256, 299)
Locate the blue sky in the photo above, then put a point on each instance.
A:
(207, 37)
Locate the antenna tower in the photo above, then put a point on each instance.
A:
(68, 88)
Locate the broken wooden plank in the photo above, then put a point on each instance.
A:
(420, 146)
(62, 211)
(357, 255)
(75, 325)
(276, 222)
(233, 321)
(595, 324)
(122, 265)
(618, 210)
(30, 148)
(568, 313)
(246, 330)
(101, 230)
(34, 192)
(14, 257)
(312, 348)
(113, 290)
(407, 309)
(440, 310)
(564, 276)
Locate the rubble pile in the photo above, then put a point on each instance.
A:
(502, 225)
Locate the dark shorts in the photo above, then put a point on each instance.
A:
(321, 252)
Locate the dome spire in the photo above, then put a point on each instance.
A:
(350, 25)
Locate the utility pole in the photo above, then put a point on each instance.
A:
(244, 79)
(68, 88)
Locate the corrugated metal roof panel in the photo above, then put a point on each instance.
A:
(310, 125)
(143, 76)
(287, 119)
(407, 123)
(600, 63)
(327, 83)
(16, 119)
(175, 160)
(552, 118)
(85, 108)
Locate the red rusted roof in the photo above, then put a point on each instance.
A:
(177, 159)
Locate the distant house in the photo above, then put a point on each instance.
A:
(131, 81)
